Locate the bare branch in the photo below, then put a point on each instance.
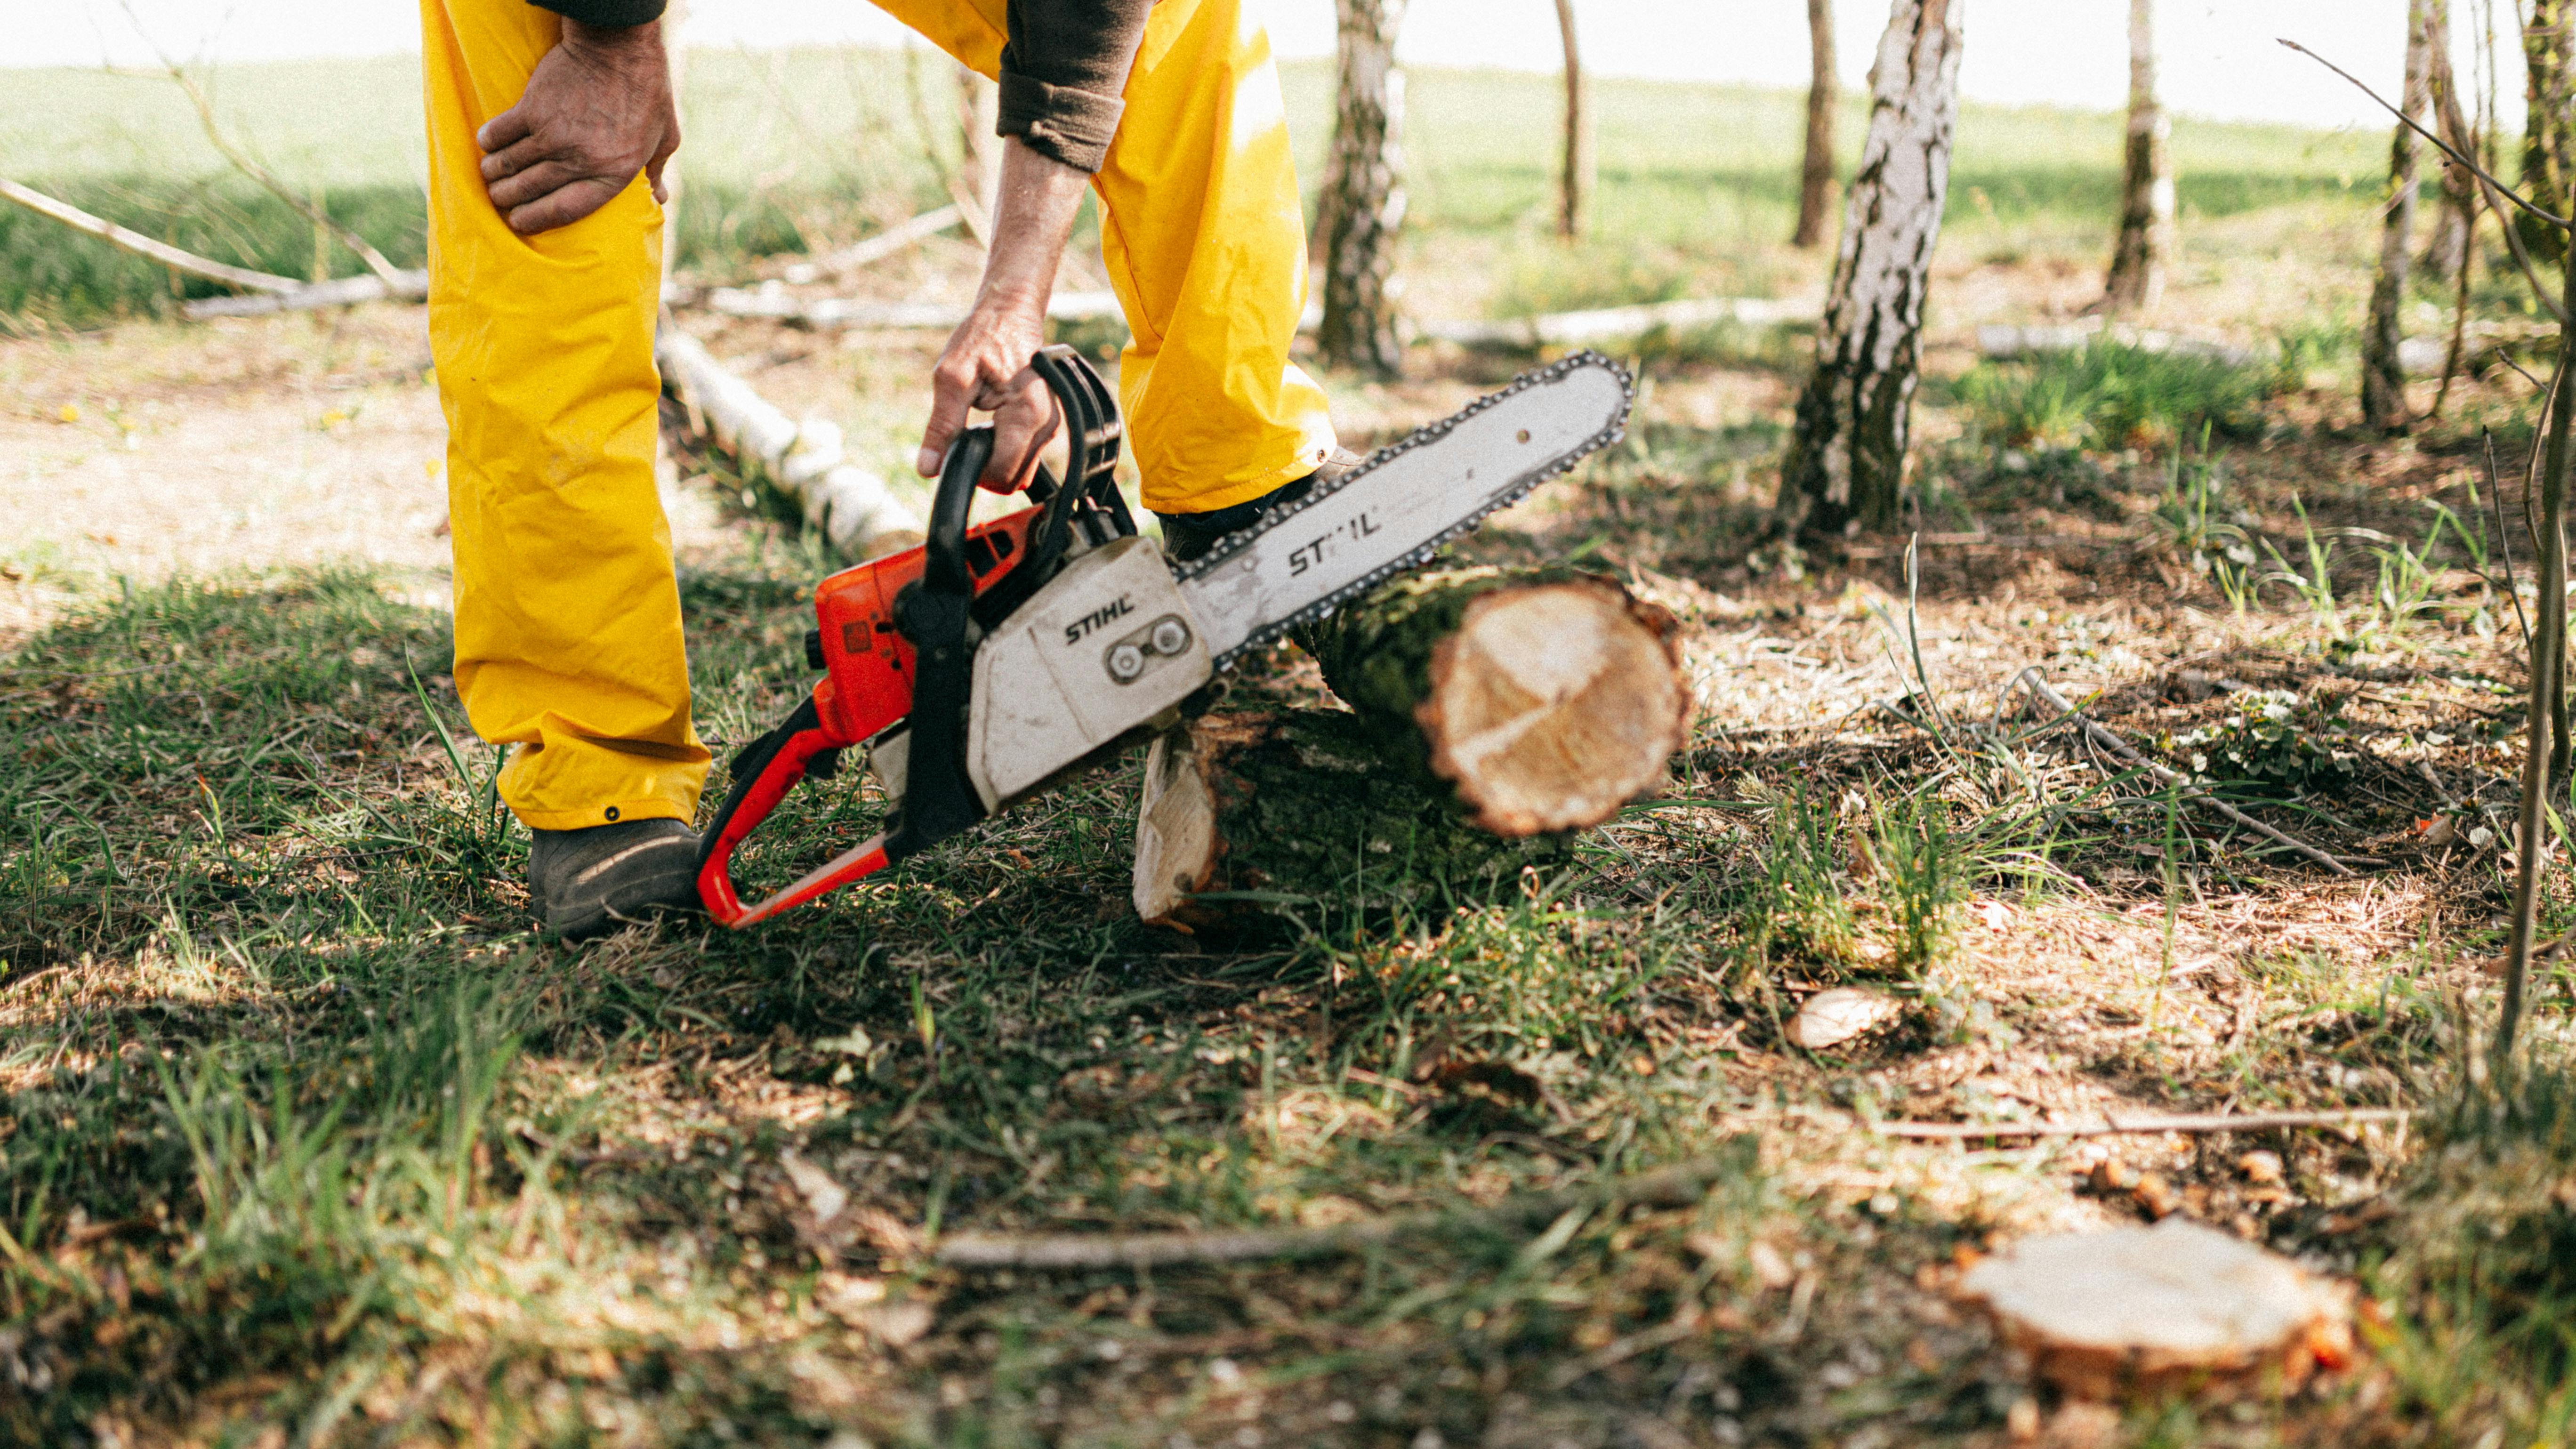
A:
(144, 246)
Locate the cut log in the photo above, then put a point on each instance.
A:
(1493, 712)
(2143, 1311)
(1252, 814)
(1547, 698)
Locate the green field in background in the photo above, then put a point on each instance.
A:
(793, 148)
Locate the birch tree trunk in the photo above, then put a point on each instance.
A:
(979, 124)
(2549, 135)
(2138, 261)
(1824, 91)
(1364, 186)
(2383, 379)
(1846, 463)
(1574, 187)
(2447, 249)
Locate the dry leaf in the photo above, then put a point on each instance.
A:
(1830, 1018)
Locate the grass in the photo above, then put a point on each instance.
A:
(794, 149)
(2111, 395)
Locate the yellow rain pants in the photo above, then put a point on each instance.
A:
(568, 642)
(1205, 244)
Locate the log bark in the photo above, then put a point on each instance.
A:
(1846, 460)
(2383, 377)
(2549, 133)
(1824, 93)
(1492, 712)
(1575, 178)
(1364, 199)
(2145, 247)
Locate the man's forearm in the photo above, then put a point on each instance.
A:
(1040, 198)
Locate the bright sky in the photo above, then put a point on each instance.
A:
(2219, 55)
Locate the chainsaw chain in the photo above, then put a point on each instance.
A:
(1234, 543)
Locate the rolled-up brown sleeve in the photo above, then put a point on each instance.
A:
(607, 14)
(1063, 71)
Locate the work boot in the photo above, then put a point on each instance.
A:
(1189, 536)
(590, 882)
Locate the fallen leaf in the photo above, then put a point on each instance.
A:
(824, 1198)
(897, 1324)
(1830, 1018)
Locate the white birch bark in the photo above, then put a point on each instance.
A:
(1364, 198)
(2146, 243)
(1846, 464)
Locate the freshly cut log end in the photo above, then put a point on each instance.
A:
(2144, 1311)
(1547, 698)
(1247, 814)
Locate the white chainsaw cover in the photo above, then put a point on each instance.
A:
(1090, 657)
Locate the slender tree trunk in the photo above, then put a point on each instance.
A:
(2146, 242)
(1365, 191)
(2383, 380)
(2448, 245)
(1574, 187)
(979, 124)
(1846, 462)
(1824, 92)
(2549, 135)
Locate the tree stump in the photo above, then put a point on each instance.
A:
(1493, 711)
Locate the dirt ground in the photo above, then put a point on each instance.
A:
(2159, 972)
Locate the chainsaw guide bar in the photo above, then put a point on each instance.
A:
(1257, 586)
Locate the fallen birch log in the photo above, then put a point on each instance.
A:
(848, 503)
(2024, 343)
(1611, 324)
(771, 301)
(410, 286)
(144, 246)
(1492, 712)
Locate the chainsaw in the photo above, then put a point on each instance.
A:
(979, 667)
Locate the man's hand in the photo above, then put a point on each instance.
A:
(986, 365)
(597, 110)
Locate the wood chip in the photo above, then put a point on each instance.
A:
(1830, 1018)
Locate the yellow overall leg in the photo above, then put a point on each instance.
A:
(1205, 244)
(568, 643)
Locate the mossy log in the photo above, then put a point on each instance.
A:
(1493, 712)
(1545, 698)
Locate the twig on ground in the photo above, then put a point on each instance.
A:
(2100, 735)
(2111, 1126)
(1678, 1186)
(144, 246)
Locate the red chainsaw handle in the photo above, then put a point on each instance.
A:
(763, 775)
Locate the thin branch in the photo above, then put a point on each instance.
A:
(2103, 737)
(2496, 191)
(144, 246)
(385, 271)
(1671, 1187)
(2117, 1126)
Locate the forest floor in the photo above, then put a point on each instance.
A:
(310, 1140)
